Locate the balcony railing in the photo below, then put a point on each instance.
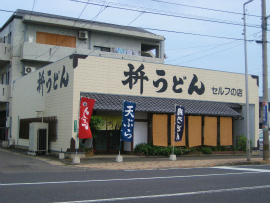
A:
(43, 52)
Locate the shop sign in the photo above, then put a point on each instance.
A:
(128, 121)
(133, 76)
(179, 122)
(52, 81)
(195, 86)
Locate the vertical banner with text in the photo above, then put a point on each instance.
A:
(179, 122)
(86, 108)
(128, 121)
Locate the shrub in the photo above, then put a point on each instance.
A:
(241, 143)
(206, 150)
(149, 149)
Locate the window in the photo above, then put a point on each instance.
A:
(99, 48)
(55, 39)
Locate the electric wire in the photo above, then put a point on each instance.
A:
(32, 9)
(118, 31)
(100, 11)
(209, 9)
(191, 47)
(207, 49)
(211, 54)
(68, 32)
(172, 15)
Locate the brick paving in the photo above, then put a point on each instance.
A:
(171, 164)
(108, 162)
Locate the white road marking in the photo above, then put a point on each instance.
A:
(174, 195)
(127, 179)
(243, 169)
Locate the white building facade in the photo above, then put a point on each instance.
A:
(214, 102)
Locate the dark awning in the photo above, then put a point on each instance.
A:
(164, 105)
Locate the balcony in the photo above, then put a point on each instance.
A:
(4, 93)
(5, 52)
(43, 52)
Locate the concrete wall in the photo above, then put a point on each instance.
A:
(240, 125)
(56, 102)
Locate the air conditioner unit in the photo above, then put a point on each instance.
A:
(83, 34)
(38, 137)
(29, 69)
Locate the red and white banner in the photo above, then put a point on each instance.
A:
(86, 109)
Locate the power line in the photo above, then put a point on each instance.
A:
(189, 33)
(172, 15)
(191, 47)
(68, 32)
(212, 53)
(209, 9)
(100, 11)
(207, 49)
(118, 32)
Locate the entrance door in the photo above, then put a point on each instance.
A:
(107, 142)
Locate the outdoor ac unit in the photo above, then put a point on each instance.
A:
(83, 34)
(29, 69)
(38, 137)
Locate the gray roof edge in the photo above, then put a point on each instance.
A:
(20, 12)
(192, 106)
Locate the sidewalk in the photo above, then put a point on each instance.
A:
(131, 162)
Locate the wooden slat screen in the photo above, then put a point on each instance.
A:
(160, 130)
(210, 131)
(194, 131)
(225, 131)
(41, 38)
(51, 39)
(55, 39)
(180, 143)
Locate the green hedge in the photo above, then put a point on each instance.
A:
(150, 149)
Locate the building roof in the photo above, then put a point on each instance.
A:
(21, 13)
(163, 105)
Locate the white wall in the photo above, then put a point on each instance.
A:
(57, 102)
(140, 133)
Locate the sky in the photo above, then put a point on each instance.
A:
(184, 45)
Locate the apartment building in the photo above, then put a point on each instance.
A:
(30, 40)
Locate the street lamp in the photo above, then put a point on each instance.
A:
(246, 79)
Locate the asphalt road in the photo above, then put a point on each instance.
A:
(38, 181)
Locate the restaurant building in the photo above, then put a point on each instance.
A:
(214, 103)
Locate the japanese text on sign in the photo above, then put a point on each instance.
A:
(128, 121)
(161, 83)
(52, 84)
(179, 122)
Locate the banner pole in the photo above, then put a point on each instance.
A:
(174, 126)
(121, 128)
(78, 126)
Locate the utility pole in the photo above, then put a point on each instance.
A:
(265, 85)
(246, 81)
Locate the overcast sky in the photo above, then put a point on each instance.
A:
(189, 50)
